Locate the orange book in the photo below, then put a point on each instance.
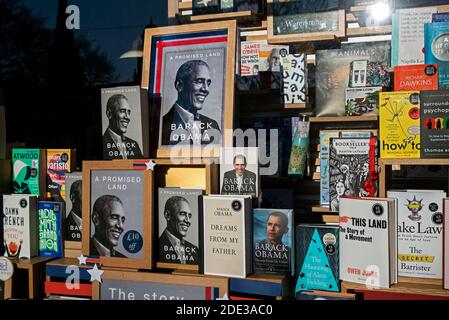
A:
(416, 77)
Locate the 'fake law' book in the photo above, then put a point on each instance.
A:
(226, 238)
(368, 245)
(50, 233)
(20, 229)
(59, 163)
(29, 171)
(273, 236)
(420, 232)
(317, 253)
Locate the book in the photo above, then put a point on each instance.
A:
(420, 232)
(50, 233)
(205, 7)
(324, 295)
(2, 246)
(407, 37)
(259, 56)
(368, 247)
(434, 124)
(73, 204)
(59, 163)
(436, 49)
(364, 73)
(416, 77)
(294, 78)
(273, 236)
(333, 73)
(362, 101)
(29, 171)
(178, 225)
(399, 124)
(352, 169)
(317, 252)
(20, 226)
(446, 245)
(226, 237)
(440, 17)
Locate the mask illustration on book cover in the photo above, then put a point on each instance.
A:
(415, 207)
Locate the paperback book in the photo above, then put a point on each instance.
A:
(436, 51)
(416, 77)
(50, 233)
(29, 171)
(59, 163)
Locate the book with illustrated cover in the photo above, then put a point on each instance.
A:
(50, 228)
(294, 73)
(29, 171)
(362, 101)
(59, 163)
(416, 77)
(259, 56)
(436, 49)
(364, 73)
(73, 213)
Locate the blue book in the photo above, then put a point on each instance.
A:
(50, 236)
(317, 258)
(436, 49)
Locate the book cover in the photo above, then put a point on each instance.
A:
(28, 171)
(50, 233)
(259, 56)
(362, 101)
(440, 17)
(273, 236)
(324, 295)
(446, 245)
(434, 124)
(179, 225)
(333, 73)
(416, 77)
(294, 78)
(436, 49)
(20, 226)
(399, 124)
(205, 7)
(73, 213)
(368, 252)
(2, 246)
(317, 252)
(420, 232)
(364, 73)
(407, 41)
(59, 163)
(226, 238)
(352, 169)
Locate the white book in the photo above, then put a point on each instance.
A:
(420, 232)
(368, 247)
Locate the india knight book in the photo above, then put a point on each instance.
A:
(50, 228)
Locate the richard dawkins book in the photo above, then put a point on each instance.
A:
(368, 245)
(50, 233)
(420, 232)
(436, 45)
(29, 171)
(273, 236)
(317, 265)
(434, 124)
(399, 124)
(416, 77)
(446, 245)
(59, 163)
(178, 217)
(20, 229)
(226, 237)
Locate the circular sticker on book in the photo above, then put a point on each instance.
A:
(132, 241)
(236, 205)
(64, 157)
(440, 47)
(430, 70)
(413, 113)
(378, 209)
(330, 249)
(437, 218)
(6, 269)
(33, 173)
(329, 238)
(23, 203)
(433, 207)
(414, 99)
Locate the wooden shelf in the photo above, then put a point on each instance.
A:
(368, 31)
(185, 5)
(408, 161)
(320, 209)
(221, 16)
(344, 119)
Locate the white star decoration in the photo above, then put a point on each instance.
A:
(82, 259)
(95, 274)
(225, 297)
(150, 165)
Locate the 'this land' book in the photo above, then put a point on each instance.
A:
(50, 233)
(59, 163)
(416, 77)
(436, 40)
(29, 171)
(273, 231)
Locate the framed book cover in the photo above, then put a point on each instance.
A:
(73, 214)
(416, 77)
(50, 228)
(59, 163)
(29, 173)
(192, 69)
(117, 213)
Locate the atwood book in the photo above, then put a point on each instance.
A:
(50, 233)
(368, 245)
(59, 163)
(29, 171)
(399, 124)
(273, 236)
(317, 252)
(20, 229)
(226, 237)
(436, 45)
(420, 232)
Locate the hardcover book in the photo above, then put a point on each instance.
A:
(226, 238)
(420, 232)
(399, 124)
(59, 163)
(20, 226)
(317, 252)
(333, 73)
(436, 44)
(368, 248)
(73, 213)
(259, 56)
(294, 78)
(362, 101)
(50, 233)
(29, 171)
(416, 77)
(352, 169)
(434, 124)
(179, 225)
(445, 244)
(273, 236)
(364, 73)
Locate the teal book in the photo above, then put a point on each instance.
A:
(436, 49)
(28, 171)
(317, 258)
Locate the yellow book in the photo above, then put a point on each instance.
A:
(59, 163)
(399, 124)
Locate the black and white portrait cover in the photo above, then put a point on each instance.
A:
(73, 201)
(123, 128)
(117, 213)
(178, 225)
(239, 171)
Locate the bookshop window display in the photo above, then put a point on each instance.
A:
(158, 178)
